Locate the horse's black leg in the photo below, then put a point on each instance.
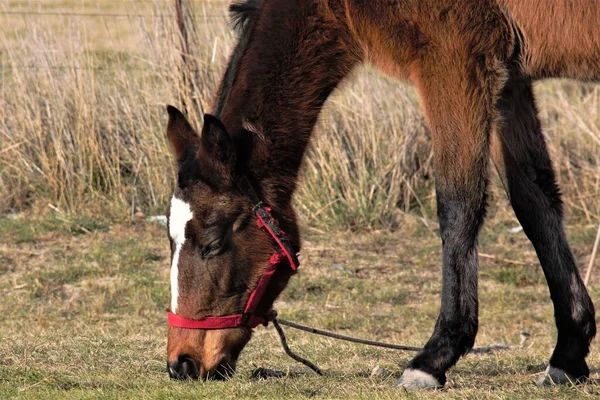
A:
(522, 158)
(460, 112)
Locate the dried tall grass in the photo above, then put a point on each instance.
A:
(82, 120)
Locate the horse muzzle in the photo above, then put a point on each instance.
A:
(187, 368)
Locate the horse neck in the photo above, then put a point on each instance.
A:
(297, 53)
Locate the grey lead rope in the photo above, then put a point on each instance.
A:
(289, 352)
(278, 321)
(346, 338)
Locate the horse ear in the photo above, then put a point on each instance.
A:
(216, 142)
(181, 136)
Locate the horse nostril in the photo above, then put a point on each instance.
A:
(184, 368)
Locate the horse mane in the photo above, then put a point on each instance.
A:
(242, 12)
(243, 17)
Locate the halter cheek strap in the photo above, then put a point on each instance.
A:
(265, 221)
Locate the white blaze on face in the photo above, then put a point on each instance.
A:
(179, 216)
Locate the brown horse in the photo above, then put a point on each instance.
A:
(473, 63)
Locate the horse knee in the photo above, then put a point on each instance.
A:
(460, 219)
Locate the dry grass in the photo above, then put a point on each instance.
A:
(82, 124)
(83, 118)
(83, 315)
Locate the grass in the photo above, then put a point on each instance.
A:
(83, 119)
(83, 315)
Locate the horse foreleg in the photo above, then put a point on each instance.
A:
(459, 103)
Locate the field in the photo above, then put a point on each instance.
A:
(82, 315)
(83, 161)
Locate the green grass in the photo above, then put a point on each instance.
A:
(83, 316)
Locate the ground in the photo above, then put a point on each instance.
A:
(83, 314)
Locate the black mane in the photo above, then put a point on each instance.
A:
(243, 17)
(242, 12)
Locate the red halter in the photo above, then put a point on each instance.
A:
(266, 222)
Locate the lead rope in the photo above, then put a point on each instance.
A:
(277, 322)
(290, 353)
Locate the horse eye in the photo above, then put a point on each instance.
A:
(212, 249)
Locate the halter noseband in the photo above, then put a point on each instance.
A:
(266, 222)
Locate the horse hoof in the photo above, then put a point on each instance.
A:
(414, 379)
(555, 376)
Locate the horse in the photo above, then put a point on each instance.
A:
(233, 232)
